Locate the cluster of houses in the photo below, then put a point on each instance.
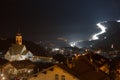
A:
(18, 61)
(20, 64)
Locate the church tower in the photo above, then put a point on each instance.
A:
(19, 39)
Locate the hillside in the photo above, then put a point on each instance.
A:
(111, 37)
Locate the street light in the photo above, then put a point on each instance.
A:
(2, 76)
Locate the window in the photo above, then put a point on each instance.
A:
(56, 77)
(63, 77)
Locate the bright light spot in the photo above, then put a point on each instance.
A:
(103, 30)
(74, 43)
(98, 52)
(2, 74)
(118, 21)
(112, 46)
(3, 78)
(55, 49)
(29, 71)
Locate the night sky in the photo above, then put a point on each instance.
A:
(50, 19)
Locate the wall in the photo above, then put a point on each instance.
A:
(50, 75)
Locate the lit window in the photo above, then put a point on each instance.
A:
(56, 77)
(63, 77)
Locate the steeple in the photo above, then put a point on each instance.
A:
(19, 38)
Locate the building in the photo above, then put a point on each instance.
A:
(86, 70)
(18, 51)
(55, 72)
(2, 63)
(22, 68)
(100, 62)
(82, 69)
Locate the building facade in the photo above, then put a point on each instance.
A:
(54, 73)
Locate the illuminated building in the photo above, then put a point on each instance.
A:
(18, 51)
(55, 72)
(18, 68)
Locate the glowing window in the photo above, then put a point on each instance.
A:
(63, 77)
(56, 77)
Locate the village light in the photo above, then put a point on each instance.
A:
(2, 75)
(29, 71)
(3, 78)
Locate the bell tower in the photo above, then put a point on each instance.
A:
(19, 38)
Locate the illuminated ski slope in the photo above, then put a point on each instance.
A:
(103, 30)
(94, 37)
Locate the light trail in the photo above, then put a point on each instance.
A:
(103, 30)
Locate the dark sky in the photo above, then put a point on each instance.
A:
(49, 19)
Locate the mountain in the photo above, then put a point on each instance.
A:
(111, 37)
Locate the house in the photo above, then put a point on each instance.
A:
(86, 70)
(2, 63)
(82, 70)
(55, 72)
(100, 62)
(18, 68)
(18, 51)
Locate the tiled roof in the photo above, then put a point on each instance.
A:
(16, 49)
(86, 70)
(99, 60)
(22, 64)
(93, 75)
(25, 52)
(62, 67)
(69, 70)
(82, 70)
